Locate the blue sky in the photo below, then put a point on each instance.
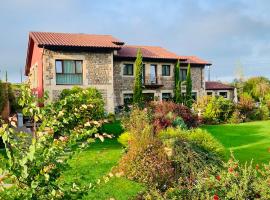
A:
(227, 33)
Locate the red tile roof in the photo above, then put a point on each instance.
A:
(195, 60)
(214, 85)
(75, 40)
(129, 51)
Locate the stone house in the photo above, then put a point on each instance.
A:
(215, 88)
(56, 61)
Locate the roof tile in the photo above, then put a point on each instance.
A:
(75, 40)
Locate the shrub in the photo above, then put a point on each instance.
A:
(217, 110)
(199, 137)
(260, 113)
(246, 105)
(76, 107)
(191, 152)
(165, 114)
(35, 163)
(146, 160)
(124, 139)
(236, 117)
(232, 181)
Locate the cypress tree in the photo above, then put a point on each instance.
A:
(137, 89)
(189, 99)
(177, 82)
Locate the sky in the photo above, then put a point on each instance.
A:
(231, 34)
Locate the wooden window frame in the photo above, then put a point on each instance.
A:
(169, 66)
(125, 65)
(62, 65)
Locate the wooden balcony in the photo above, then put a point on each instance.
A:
(152, 82)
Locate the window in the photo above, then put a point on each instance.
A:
(209, 93)
(68, 72)
(194, 96)
(128, 70)
(183, 74)
(166, 96)
(166, 70)
(223, 94)
(143, 74)
(153, 74)
(128, 98)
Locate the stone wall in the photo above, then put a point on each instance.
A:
(124, 84)
(97, 72)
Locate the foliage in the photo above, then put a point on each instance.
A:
(188, 98)
(2, 96)
(257, 87)
(200, 137)
(166, 114)
(77, 107)
(145, 153)
(236, 117)
(7, 94)
(246, 105)
(124, 139)
(35, 163)
(177, 82)
(234, 182)
(137, 90)
(260, 113)
(217, 110)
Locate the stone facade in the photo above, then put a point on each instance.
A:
(124, 84)
(101, 71)
(97, 72)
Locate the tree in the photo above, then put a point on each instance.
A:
(257, 87)
(137, 90)
(188, 100)
(177, 82)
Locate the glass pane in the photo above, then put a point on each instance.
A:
(153, 76)
(69, 67)
(69, 79)
(58, 66)
(78, 67)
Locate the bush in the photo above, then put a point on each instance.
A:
(199, 137)
(76, 107)
(232, 181)
(124, 139)
(217, 110)
(246, 105)
(146, 160)
(260, 113)
(36, 162)
(191, 152)
(236, 117)
(167, 114)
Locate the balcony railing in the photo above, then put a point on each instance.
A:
(152, 82)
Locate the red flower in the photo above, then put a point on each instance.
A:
(218, 177)
(230, 170)
(215, 197)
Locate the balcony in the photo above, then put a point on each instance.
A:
(152, 82)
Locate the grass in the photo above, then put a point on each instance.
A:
(97, 161)
(247, 140)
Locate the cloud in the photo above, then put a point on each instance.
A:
(222, 32)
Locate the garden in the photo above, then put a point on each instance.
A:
(179, 149)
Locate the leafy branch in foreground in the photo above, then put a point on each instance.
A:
(35, 162)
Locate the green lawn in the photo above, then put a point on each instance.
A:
(247, 140)
(96, 162)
